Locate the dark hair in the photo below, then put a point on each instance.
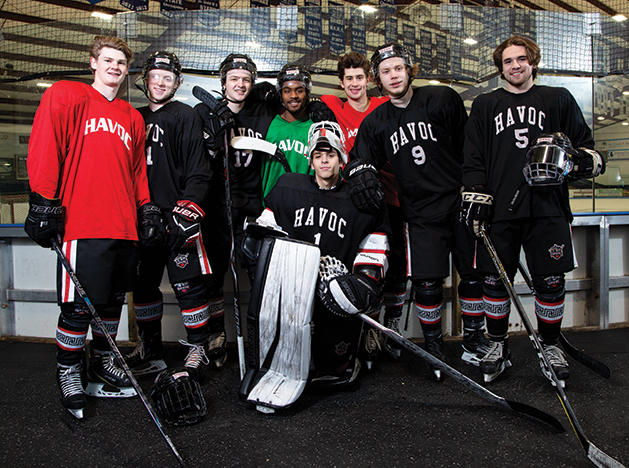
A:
(532, 52)
(111, 42)
(354, 60)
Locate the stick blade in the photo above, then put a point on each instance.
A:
(535, 413)
(601, 459)
(205, 97)
(594, 364)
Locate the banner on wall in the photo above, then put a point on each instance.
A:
(336, 25)
(359, 34)
(286, 12)
(209, 15)
(260, 19)
(425, 57)
(173, 8)
(442, 54)
(313, 18)
(408, 38)
(135, 5)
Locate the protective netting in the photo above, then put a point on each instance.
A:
(41, 37)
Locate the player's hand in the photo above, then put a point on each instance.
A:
(318, 111)
(45, 219)
(477, 208)
(586, 163)
(215, 124)
(365, 189)
(184, 226)
(151, 230)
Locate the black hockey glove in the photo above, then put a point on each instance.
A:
(151, 230)
(215, 124)
(365, 189)
(45, 219)
(477, 208)
(586, 163)
(318, 111)
(343, 293)
(184, 226)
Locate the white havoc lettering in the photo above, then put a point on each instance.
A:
(413, 131)
(106, 125)
(318, 217)
(292, 145)
(519, 115)
(248, 132)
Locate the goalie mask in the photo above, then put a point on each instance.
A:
(178, 397)
(294, 72)
(548, 160)
(236, 61)
(327, 133)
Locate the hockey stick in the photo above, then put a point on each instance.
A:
(578, 355)
(210, 101)
(462, 379)
(147, 404)
(596, 456)
(256, 144)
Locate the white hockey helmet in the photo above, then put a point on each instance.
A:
(548, 159)
(329, 133)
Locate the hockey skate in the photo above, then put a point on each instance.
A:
(496, 360)
(147, 357)
(336, 381)
(390, 346)
(475, 344)
(370, 347)
(196, 361)
(71, 382)
(434, 345)
(216, 352)
(558, 362)
(106, 379)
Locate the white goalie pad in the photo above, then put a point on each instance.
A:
(278, 322)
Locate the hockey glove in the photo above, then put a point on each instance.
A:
(184, 226)
(345, 294)
(586, 163)
(45, 219)
(365, 189)
(216, 122)
(151, 228)
(255, 232)
(318, 111)
(477, 207)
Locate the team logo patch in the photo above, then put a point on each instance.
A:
(556, 251)
(181, 260)
(341, 348)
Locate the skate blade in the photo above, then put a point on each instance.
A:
(149, 367)
(369, 364)
(77, 413)
(105, 390)
(471, 358)
(395, 353)
(562, 383)
(491, 377)
(265, 409)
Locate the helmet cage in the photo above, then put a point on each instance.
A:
(328, 132)
(178, 397)
(548, 161)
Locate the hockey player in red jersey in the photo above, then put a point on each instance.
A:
(87, 174)
(179, 177)
(503, 125)
(420, 132)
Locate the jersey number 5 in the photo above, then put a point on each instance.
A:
(522, 137)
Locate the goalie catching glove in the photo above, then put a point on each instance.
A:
(477, 207)
(365, 189)
(343, 293)
(184, 226)
(151, 230)
(216, 123)
(45, 219)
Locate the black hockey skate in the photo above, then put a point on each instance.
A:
(71, 382)
(496, 360)
(370, 347)
(196, 361)
(147, 357)
(216, 351)
(106, 379)
(391, 347)
(475, 344)
(558, 362)
(434, 345)
(344, 380)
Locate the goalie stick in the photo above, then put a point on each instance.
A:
(149, 407)
(463, 379)
(578, 355)
(256, 144)
(596, 455)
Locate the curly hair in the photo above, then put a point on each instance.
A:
(532, 52)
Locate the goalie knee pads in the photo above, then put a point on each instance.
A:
(178, 397)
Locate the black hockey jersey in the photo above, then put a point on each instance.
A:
(424, 144)
(501, 127)
(176, 158)
(325, 218)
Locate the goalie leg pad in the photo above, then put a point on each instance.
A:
(278, 321)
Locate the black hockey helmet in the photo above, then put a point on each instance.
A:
(294, 72)
(178, 397)
(387, 51)
(234, 61)
(548, 159)
(162, 60)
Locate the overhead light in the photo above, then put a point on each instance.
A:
(434, 82)
(367, 8)
(601, 118)
(44, 85)
(625, 123)
(619, 17)
(626, 93)
(252, 44)
(470, 41)
(103, 16)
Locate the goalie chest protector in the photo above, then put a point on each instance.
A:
(279, 322)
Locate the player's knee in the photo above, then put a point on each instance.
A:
(76, 315)
(469, 287)
(494, 288)
(191, 294)
(551, 288)
(428, 291)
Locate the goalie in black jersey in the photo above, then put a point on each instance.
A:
(535, 134)
(318, 209)
(420, 132)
